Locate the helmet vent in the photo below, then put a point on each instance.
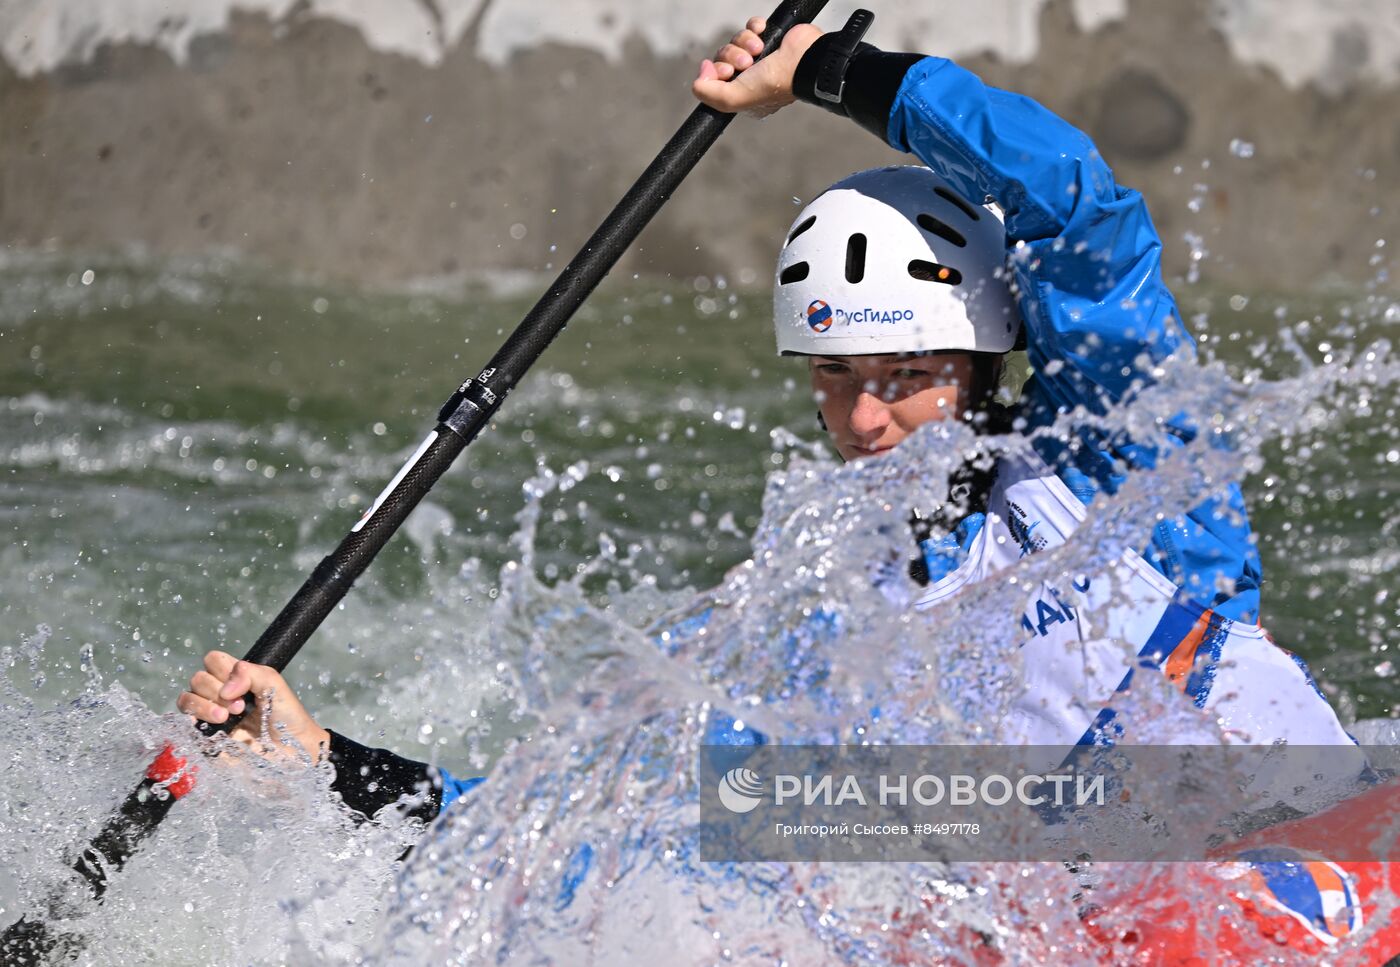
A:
(855, 258)
(801, 228)
(942, 229)
(794, 273)
(933, 272)
(958, 200)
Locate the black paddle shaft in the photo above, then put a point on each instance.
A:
(478, 398)
(462, 417)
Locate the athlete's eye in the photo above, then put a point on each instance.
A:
(832, 369)
(909, 373)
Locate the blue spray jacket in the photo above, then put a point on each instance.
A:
(1087, 264)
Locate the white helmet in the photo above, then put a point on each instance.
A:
(894, 260)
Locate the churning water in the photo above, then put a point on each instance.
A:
(180, 444)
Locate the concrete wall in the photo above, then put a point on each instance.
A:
(387, 140)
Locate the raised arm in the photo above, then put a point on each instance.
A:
(1086, 257)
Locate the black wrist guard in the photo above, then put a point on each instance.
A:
(830, 82)
(368, 779)
(850, 78)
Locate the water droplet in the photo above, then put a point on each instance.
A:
(1241, 148)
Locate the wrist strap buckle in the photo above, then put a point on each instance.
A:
(831, 77)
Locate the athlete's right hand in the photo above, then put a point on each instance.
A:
(734, 82)
(218, 692)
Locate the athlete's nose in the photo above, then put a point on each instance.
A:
(869, 416)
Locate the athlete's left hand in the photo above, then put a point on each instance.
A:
(733, 82)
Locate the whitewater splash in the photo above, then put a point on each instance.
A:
(582, 848)
(593, 695)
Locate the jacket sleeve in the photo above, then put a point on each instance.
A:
(368, 779)
(1086, 262)
(1085, 255)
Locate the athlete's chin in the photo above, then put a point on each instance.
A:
(853, 452)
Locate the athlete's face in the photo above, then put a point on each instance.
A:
(871, 403)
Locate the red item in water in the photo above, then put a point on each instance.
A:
(173, 771)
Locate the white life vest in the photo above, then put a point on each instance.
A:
(1085, 643)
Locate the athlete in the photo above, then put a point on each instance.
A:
(868, 289)
(904, 291)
